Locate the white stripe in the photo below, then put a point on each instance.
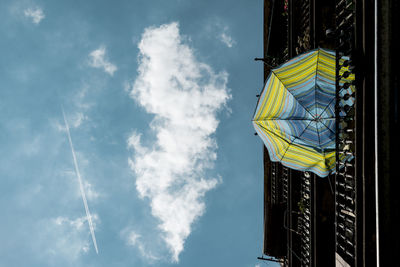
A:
(376, 128)
(78, 174)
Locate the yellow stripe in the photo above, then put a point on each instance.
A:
(273, 102)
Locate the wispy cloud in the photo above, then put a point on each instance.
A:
(97, 59)
(67, 236)
(88, 215)
(134, 239)
(184, 96)
(91, 193)
(35, 14)
(227, 39)
(77, 119)
(220, 30)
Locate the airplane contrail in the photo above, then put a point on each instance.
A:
(88, 216)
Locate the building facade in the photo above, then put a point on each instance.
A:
(349, 218)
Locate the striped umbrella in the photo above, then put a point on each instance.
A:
(295, 114)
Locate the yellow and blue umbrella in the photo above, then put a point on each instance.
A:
(295, 114)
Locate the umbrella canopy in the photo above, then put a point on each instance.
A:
(295, 114)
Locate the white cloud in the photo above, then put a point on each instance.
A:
(220, 30)
(35, 14)
(184, 95)
(134, 239)
(77, 119)
(97, 59)
(65, 237)
(80, 98)
(91, 193)
(78, 106)
(227, 39)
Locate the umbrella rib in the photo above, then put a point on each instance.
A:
(261, 93)
(315, 88)
(272, 132)
(315, 98)
(276, 136)
(323, 150)
(319, 138)
(272, 71)
(294, 140)
(280, 119)
(328, 127)
(327, 106)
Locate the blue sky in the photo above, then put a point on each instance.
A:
(158, 97)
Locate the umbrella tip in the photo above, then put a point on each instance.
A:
(257, 95)
(255, 133)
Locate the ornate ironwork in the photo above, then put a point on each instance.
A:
(305, 219)
(303, 23)
(302, 43)
(345, 186)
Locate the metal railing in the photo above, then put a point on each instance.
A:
(298, 220)
(302, 36)
(305, 219)
(345, 186)
(285, 183)
(301, 40)
(274, 184)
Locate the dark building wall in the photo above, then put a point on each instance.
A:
(274, 243)
(290, 34)
(365, 120)
(293, 38)
(274, 232)
(388, 130)
(325, 219)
